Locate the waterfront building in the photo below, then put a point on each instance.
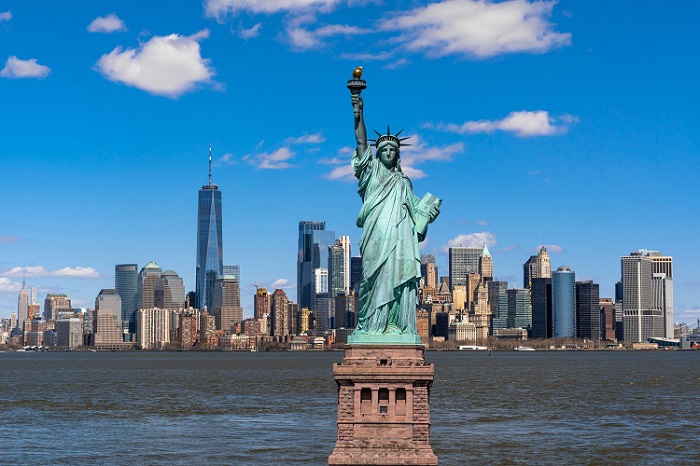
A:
(486, 264)
(22, 306)
(338, 267)
(281, 320)
(519, 308)
(607, 319)
(564, 303)
(642, 318)
(462, 331)
(662, 295)
(303, 321)
(322, 314)
(153, 328)
(463, 261)
(226, 302)
(55, 306)
(146, 286)
(320, 292)
(187, 335)
(261, 303)
(314, 241)
(481, 317)
(126, 279)
(537, 266)
(207, 329)
(541, 297)
(498, 303)
(69, 333)
(170, 291)
(209, 265)
(107, 318)
(588, 310)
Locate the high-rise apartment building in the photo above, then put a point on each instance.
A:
(345, 310)
(210, 264)
(463, 261)
(261, 303)
(153, 328)
(56, 304)
(564, 303)
(126, 279)
(642, 317)
(588, 310)
(147, 283)
(537, 266)
(337, 273)
(314, 241)
(607, 319)
(281, 320)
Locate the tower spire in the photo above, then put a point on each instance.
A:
(209, 164)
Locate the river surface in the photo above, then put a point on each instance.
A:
(278, 408)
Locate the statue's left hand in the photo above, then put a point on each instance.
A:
(434, 212)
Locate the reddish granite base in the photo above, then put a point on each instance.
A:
(383, 406)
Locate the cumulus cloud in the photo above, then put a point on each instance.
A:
(107, 24)
(315, 138)
(219, 9)
(165, 65)
(523, 124)
(276, 160)
(40, 271)
(282, 283)
(478, 28)
(16, 68)
(5, 16)
(470, 240)
(8, 286)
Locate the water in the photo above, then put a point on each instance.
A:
(616, 407)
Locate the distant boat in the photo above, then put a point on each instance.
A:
(523, 348)
(472, 348)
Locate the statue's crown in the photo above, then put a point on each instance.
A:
(388, 137)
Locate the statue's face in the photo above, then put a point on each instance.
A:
(389, 154)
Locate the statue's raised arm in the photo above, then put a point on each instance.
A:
(360, 128)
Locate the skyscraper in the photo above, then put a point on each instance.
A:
(564, 303)
(541, 296)
(281, 325)
(126, 279)
(147, 282)
(429, 270)
(170, 291)
(314, 241)
(22, 306)
(537, 266)
(107, 318)
(226, 302)
(588, 310)
(642, 303)
(210, 262)
(463, 261)
(54, 304)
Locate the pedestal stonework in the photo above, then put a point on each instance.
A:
(383, 406)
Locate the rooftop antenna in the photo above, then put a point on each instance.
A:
(209, 164)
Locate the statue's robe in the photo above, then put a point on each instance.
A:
(389, 249)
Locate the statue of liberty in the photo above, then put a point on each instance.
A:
(393, 220)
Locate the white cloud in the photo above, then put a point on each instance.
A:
(165, 65)
(226, 159)
(220, 8)
(512, 247)
(553, 248)
(523, 124)
(40, 271)
(471, 240)
(315, 138)
(8, 286)
(382, 56)
(343, 173)
(5, 16)
(282, 283)
(478, 28)
(276, 160)
(250, 32)
(16, 68)
(482, 222)
(107, 24)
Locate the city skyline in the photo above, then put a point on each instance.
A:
(590, 151)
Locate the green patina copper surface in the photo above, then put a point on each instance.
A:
(393, 220)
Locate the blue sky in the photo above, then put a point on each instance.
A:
(573, 124)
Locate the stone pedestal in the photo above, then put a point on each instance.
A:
(383, 406)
